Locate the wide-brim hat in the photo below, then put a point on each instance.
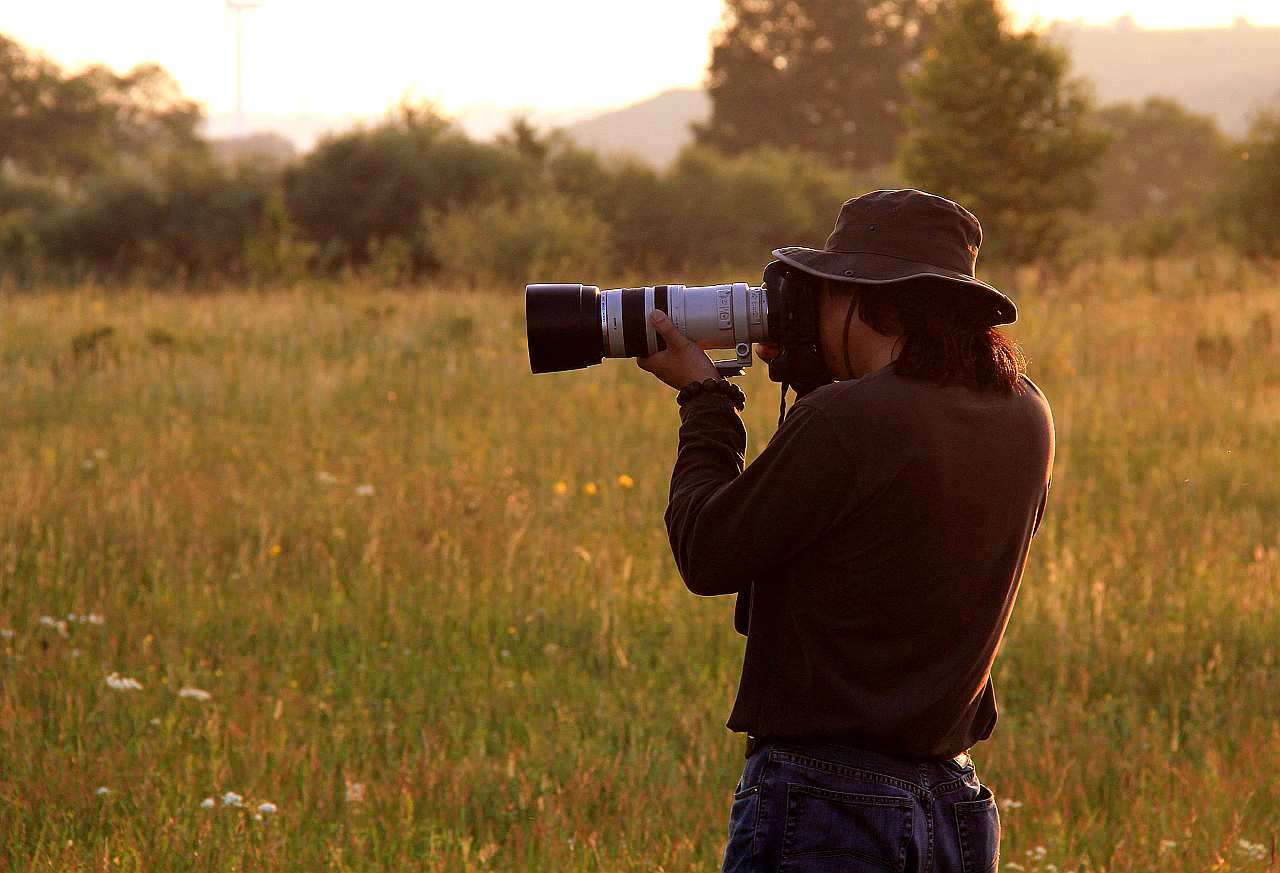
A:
(897, 235)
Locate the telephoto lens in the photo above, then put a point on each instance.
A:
(574, 326)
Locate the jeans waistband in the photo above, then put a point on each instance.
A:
(843, 753)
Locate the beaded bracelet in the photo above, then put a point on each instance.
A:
(713, 386)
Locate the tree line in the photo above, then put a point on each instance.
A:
(106, 176)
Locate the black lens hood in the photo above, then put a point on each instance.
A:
(563, 326)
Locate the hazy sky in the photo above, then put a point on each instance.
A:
(323, 56)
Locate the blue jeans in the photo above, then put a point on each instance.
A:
(820, 808)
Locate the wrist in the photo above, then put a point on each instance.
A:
(713, 387)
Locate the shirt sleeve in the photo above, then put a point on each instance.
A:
(729, 526)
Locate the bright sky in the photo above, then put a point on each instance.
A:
(335, 58)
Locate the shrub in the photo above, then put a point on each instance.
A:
(375, 184)
(1249, 204)
(549, 238)
(713, 212)
(187, 218)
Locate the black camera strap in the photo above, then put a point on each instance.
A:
(848, 319)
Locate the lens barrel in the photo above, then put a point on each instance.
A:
(564, 327)
(574, 326)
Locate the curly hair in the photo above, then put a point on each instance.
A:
(944, 338)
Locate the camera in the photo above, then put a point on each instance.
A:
(571, 326)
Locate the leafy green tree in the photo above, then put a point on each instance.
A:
(1162, 158)
(1249, 203)
(995, 124)
(185, 220)
(733, 212)
(710, 214)
(824, 76)
(358, 189)
(71, 125)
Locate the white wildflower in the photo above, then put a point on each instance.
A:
(324, 477)
(1013, 865)
(102, 791)
(1008, 804)
(1255, 851)
(194, 693)
(123, 683)
(100, 454)
(1167, 845)
(267, 808)
(92, 618)
(87, 463)
(355, 792)
(207, 803)
(232, 799)
(55, 623)
(365, 490)
(6, 633)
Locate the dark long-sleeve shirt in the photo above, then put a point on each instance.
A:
(875, 545)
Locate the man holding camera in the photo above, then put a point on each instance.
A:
(875, 546)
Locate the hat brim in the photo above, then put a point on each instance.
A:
(875, 269)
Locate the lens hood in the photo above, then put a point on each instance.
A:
(564, 326)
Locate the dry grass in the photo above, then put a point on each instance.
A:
(516, 676)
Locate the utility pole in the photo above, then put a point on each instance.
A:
(238, 8)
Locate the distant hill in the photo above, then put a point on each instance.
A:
(261, 149)
(653, 129)
(1224, 72)
(302, 129)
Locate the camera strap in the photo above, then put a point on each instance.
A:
(782, 404)
(848, 319)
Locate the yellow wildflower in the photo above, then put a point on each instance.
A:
(589, 488)
(275, 550)
(560, 488)
(626, 481)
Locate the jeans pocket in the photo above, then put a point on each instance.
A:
(978, 831)
(827, 831)
(739, 852)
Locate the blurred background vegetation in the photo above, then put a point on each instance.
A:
(105, 178)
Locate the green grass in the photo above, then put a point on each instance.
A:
(516, 676)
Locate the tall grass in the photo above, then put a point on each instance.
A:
(441, 633)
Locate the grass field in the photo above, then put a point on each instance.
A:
(432, 604)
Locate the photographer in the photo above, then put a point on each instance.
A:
(875, 547)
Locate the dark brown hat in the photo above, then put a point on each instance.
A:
(892, 236)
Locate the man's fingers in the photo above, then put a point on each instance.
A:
(666, 329)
